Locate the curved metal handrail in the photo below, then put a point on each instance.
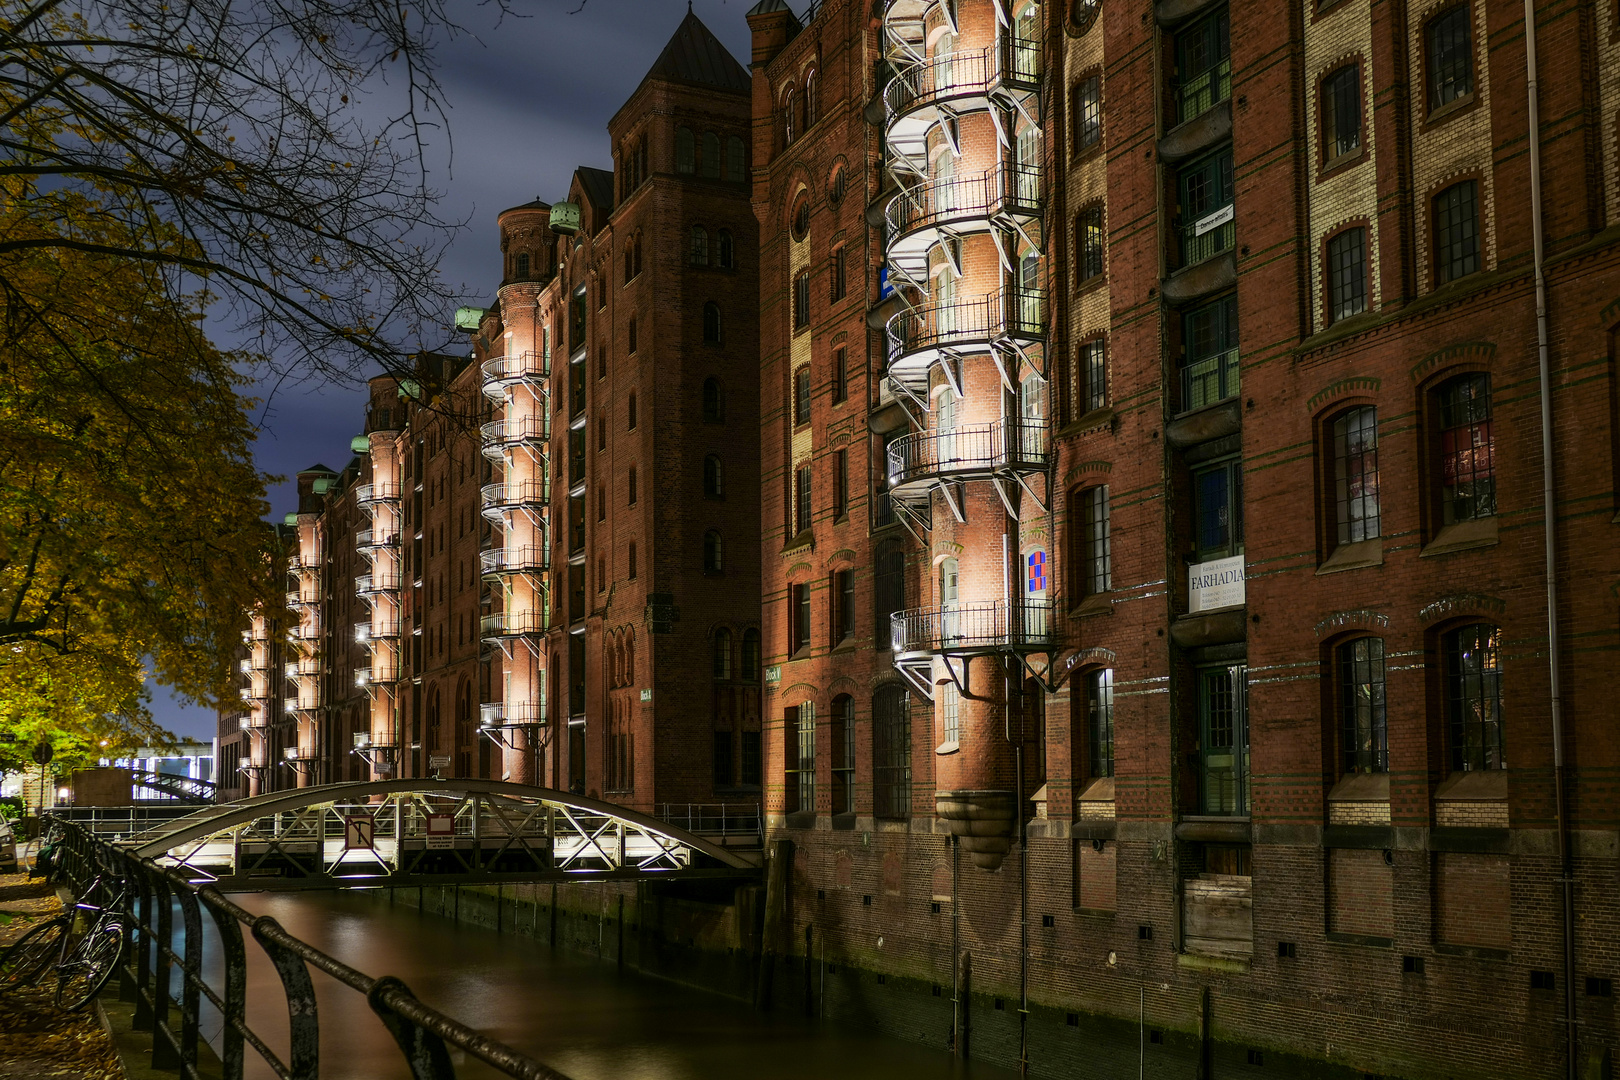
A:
(504, 624)
(939, 78)
(965, 198)
(514, 367)
(515, 560)
(516, 431)
(366, 494)
(1012, 312)
(992, 626)
(979, 450)
(366, 584)
(513, 493)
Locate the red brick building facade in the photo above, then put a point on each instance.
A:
(1153, 513)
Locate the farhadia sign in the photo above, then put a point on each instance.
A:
(1215, 584)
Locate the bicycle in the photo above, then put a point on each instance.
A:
(83, 961)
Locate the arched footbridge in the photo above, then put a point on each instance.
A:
(406, 833)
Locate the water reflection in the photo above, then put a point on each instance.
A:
(576, 1014)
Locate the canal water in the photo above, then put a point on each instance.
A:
(575, 1013)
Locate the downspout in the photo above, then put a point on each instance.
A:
(1566, 878)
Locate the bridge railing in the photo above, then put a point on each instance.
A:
(166, 978)
(727, 820)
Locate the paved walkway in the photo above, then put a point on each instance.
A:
(38, 1041)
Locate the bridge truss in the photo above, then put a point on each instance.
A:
(411, 832)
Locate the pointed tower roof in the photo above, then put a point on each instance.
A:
(695, 55)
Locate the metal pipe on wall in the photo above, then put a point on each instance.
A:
(1566, 877)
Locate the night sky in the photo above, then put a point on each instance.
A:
(529, 100)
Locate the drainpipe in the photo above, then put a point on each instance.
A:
(1566, 877)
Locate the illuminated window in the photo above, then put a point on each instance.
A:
(1467, 449)
(1473, 676)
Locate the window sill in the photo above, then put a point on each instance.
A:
(1450, 109)
(1463, 536)
(846, 645)
(1342, 163)
(1096, 604)
(1094, 420)
(1201, 961)
(803, 541)
(1364, 940)
(945, 748)
(843, 822)
(1470, 952)
(1355, 556)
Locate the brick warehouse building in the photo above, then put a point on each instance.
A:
(1111, 670)
(542, 563)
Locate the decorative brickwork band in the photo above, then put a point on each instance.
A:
(1352, 620)
(1461, 604)
(1341, 387)
(1084, 467)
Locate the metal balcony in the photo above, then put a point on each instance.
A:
(920, 217)
(926, 91)
(305, 667)
(529, 559)
(1209, 380)
(370, 494)
(246, 666)
(372, 584)
(498, 500)
(503, 625)
(1005, 448)
(996, 626)
(921, 336)
(498, 714)
(504, 437)
(500, 373)
(376, 630)
(368, 540)
(377, 674)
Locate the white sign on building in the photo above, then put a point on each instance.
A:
(1215, 584)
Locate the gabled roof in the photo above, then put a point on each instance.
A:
(597, 185)
(316, 468)
(535, 204)
(695, 55)
(765, 7)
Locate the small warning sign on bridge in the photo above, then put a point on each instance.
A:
(441, 832)
(359, 832)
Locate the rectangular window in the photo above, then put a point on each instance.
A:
(891, 753)
(840, 375)
(1218, 510)
(1088, 244)
(1341, 113)
(1450, 56)
(1094, 562)
(1456, 231)
(1203, 76)
(842, 599)
(1467, 450)
(1474, 698)
(1355, 475)
(840, 461)
(802, 757)
(722, 759)
(1347, 274)
(1210, 339)
(576, 524)
(576, 388)
(1091, 390)
(1361, 703)
(801, 501)
(1206, 212)
(799, 599)
(1100, 721)
(1085, 113)
(801, 396)
(950, 714)
(801, 301)
(1223, 740)
(576, 322)
(843, 755)
(836, 275)
(748, 774)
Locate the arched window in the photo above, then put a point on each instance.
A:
(685, 152)
(630, 412)
(711, 322)
(629, 262)
(736, 163)
(843, 754)
(722, 654)
(711, 155)
(712, 554)
(750, 655)
(714, 403)
(810, 100)
(523, 264)
(726, 257)
(637, 247)
(790, 129)
(700, 246)
(891, 752)
(713, 477)
(1364, 728)
(630, 486)
(630, 335)
(888, 587)
(1473, 689)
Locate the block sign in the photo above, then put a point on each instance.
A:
(359, 832)
(441, 831)
(1215, 584)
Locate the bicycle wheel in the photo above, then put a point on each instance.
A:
(22, 964)
(84, 973)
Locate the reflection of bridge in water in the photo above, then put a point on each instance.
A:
(406, 833)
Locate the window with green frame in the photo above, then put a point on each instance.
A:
(1203, 66)
(1223, 740)
(1218, 510)
(1209, 337)
(1205, 189)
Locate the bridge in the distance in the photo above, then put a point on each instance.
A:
(415, 832)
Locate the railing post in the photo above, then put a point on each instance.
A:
(191, 977)
(165, 1053)
(304, 1056)
(235, 956)
(144, 959)
(425, 1052)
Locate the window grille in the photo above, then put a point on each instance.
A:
(1100, 720)
(1450, 57)
(1086, 113)
(1467, 450)
(891, 753)
(1361, 703)
(1474, 698)
(1456, 231)
(1341, 112)
(1347, 274)
(1355, 475)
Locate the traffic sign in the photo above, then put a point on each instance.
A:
(441, 832)
(43, 752)
(359, 832)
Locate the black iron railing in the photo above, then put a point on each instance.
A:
(939, 77)
(1009, 312)
(978, 450)
(977, 627)
(949, 199)
(166, 979)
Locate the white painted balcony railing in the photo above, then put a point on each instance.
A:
(512, 624)
(968, 325)
(513, 495)
(519, 560)
(993, 626)
(495, 714)
(374, 493)
(501, 371)
(980, 451)
(957, 199)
